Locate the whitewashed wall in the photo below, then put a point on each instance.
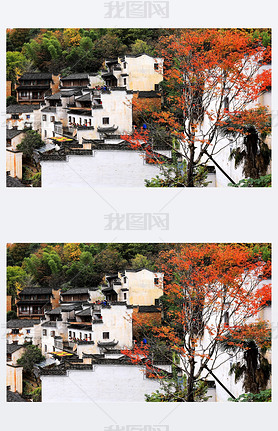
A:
(142, 290)
(141, 73)
(117, 321)
(103, 169)
(105, 383)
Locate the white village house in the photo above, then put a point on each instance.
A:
(13, 370)
(21, 331)
(135, 72)
(92, 328)
(13, 155)
(20, 117)
(136, 287)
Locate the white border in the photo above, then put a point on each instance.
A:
(201, 215)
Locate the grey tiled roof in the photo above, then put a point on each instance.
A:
(47, 147)
(11, 348)
(78, 290)
(22, 323)
(107, 129)
(148, 309)
(148, 94)
(55, 311)
(14, 397)
(70, 306)
(36, 75)
(33, 302)
(97, 359)
(84, 98)
(49, 109)
(70, 92)
(49, 324)
(33, 87)
(86, 312)
(107, 343)
(108, 75)
(80, 325)
(19, 109)
(56, 96)
(73, 76)
(108, 289)
(39, 290)
(13, 182)
(111, 60)
(61, 371)
(11, 133)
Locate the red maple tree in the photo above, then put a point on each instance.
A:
(210, 291)
(211, 76)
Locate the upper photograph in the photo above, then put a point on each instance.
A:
(138, 107)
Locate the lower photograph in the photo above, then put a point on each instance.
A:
(138, 322)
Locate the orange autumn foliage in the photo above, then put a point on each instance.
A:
(210, 75)
(210, 291)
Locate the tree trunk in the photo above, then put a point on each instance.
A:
(190, 381)
(190, 167)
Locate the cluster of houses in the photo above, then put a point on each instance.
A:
(83, 333)
(82, 327)
(81, 118)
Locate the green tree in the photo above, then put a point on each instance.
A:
(140, 261)
(82, 58)
(30, 357)
(109, 46)
(263, 181)
(15, 65)
(16, 37)
(109, 261)
(15, 280)
(16, 252)
(29, 143)
(45, 266)
(11, 315)
(45, 51)
(11, 100)
(82, 273)
(140, 47)
(174, 389)
(36, 395)
(262, 396)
